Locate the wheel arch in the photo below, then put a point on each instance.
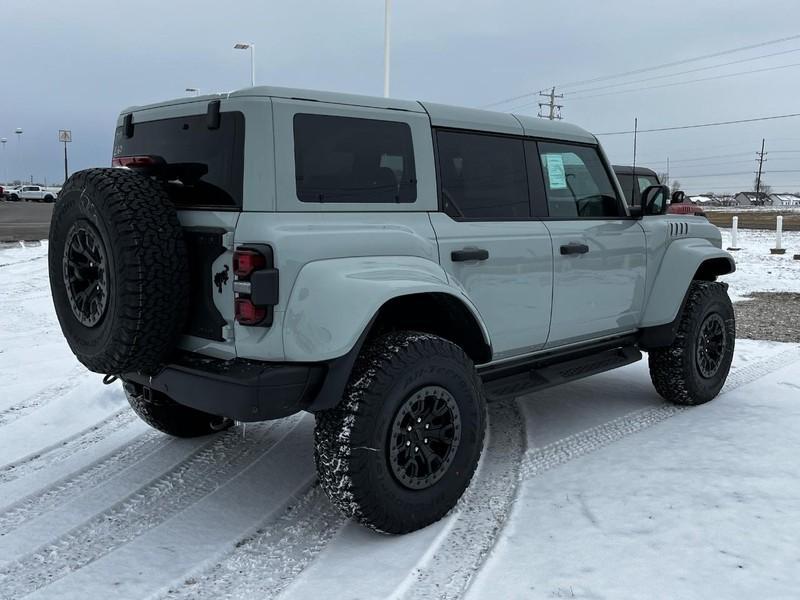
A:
(684, 261)
(335, 303)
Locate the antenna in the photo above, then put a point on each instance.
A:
(633, 179)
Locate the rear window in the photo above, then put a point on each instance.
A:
(201, 167)
(348, 159)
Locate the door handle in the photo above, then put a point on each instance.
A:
(574, 248)
(469, 254)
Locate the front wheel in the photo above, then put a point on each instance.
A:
(400, 449)
(694, 368)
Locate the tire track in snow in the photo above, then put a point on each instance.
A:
(449, 571)
(66, 448)
(150, 506)
(539, 460)
(265, 563)
(44, 396)
(63, 490)
(482, 511)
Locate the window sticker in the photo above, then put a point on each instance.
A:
(555, 171)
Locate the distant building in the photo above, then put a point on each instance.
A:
(705, 200)
(750, 199)
(785, 199)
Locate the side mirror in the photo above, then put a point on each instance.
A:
(678, 197)
(654, 200)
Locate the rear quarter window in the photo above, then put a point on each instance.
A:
(201, 167)
(354, 160)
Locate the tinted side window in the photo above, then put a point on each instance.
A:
(482, 176)
(645, 181)
(347, 159)
(577, 183)
(626, 182)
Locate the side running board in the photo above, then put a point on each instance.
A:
(541, 373)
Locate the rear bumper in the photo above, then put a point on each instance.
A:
(239, 389)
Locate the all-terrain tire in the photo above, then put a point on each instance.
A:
(676, 371)
(145, 273)
(166, 415)
(352, 441)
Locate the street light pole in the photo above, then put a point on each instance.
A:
(19, 132)
(387, 16)
(65, 135)
(5, 162)
(252, 47)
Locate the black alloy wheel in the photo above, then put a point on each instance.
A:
(711, 342)
(84, 267)
(424, 437)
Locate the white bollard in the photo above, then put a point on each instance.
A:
(778, 231)
(734, 234)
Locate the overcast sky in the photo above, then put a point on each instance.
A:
(76, 64)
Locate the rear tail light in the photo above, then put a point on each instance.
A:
(248, 313)
(255, 286)
(133, 162)
(245, 261)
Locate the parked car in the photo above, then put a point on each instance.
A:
(12, 193)
(386, 265)
(36, 193)
(2, 193)
(634, 180)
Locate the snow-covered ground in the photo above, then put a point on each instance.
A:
(759, 271)
(596, 489)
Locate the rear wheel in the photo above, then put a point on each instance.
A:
(166, 415)
(694, 368)
(401, 448)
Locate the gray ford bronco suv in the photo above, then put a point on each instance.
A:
(386, 265)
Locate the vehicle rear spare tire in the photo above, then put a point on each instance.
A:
(118, 270)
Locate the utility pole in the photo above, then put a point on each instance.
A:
(760, 159)
(667, 181)
(554, 110)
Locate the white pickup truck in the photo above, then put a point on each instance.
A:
(36, 193)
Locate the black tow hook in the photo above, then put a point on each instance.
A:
(109, 379)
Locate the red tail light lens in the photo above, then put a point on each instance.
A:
(246, 261)
(248, 313)
(131, 162)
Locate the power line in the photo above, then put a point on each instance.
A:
(699, 125)
(690, 81)
(680, 62)
(725, 64)
(680, 160)
(729, 162)
(652, 68)
(690, 176)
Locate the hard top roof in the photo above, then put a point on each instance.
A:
(629, 170)
(441, 115)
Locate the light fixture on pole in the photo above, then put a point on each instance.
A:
(387, 15)
(65, 135)
(192, 92)
(252, 47)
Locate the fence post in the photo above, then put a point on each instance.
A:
(778, 231)
(734, 234)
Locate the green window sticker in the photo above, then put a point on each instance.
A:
(555, 171)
